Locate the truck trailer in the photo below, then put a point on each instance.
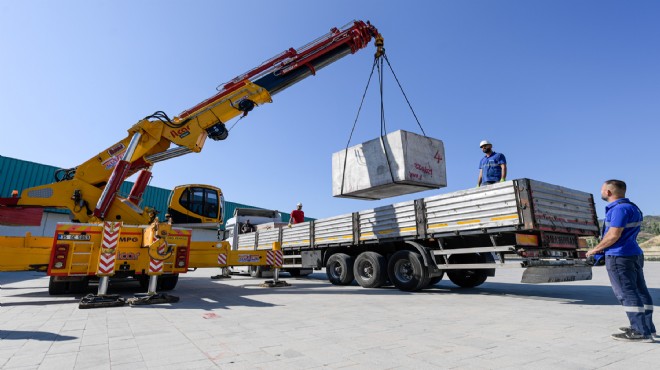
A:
(466, 234)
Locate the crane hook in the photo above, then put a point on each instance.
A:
(380, 46)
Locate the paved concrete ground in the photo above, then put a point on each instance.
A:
(235, 324)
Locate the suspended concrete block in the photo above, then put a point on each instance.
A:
(398, 163)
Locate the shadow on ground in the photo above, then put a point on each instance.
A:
(207, 294)
(33, 335)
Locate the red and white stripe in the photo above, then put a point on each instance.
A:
(109, 248)
(155, 266)
(222, 259)
(274, 258)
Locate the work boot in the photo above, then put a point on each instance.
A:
(633, 336)
(625, 329)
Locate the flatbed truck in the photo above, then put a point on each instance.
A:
(466, 234)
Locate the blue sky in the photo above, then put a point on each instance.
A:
(569, 91)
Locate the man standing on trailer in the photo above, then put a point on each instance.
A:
(624, 260)
(297, 215)
(492, 167)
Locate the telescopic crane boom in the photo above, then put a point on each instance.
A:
(90, 190)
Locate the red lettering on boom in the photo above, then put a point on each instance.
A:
(179, 132)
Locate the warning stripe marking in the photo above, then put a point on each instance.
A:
(274, 258)
(109, 248)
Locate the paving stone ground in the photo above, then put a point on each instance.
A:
(236, 324)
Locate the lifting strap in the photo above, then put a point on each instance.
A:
(378, 64)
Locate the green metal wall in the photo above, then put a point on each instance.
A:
(16, 174)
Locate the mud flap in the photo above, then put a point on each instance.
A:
(100, 301)
(555, 274)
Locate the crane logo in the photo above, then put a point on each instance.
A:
(116, 149)
(181, 133)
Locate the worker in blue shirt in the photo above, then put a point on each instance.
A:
(624, 260)
(492, 167)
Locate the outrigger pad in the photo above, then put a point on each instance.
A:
(153, 299)
(100, 301)
(216, 277)
(273, 284)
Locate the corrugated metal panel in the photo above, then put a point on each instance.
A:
(16, 174)
(487, 206)
(396, 220)
(334, 230)
(559, 207)
(296, 236)
(267, 238)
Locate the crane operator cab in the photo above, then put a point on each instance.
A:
(199, 205)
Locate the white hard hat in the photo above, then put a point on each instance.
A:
(484, 142)
(299, 204)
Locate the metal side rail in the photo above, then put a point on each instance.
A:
(500, 249)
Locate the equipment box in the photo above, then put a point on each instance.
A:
(398, 163)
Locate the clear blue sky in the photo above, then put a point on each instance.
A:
(569, 91)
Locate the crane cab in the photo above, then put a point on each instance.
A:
(198, 205)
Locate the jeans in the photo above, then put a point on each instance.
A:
(627, 278)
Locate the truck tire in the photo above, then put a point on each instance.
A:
(79, 286)
(168, 282)
(370, 270)
(57, 287)
(299, 272)
(407, 271)
(339, 269)
(436, 279)
(144, 281)
(468, 278)
(255, 271)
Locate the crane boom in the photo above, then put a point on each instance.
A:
(90, 190)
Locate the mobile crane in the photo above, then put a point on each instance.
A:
(102, 218)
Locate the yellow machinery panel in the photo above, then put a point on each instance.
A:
(18, 253)
(84, 249)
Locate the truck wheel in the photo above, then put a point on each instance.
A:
(299, 272)
(144, 281)
(255, 271)
(79, 286)
(56, 287)
(436, 279)
(293, 272)
(339, 269)
(407, 271)
(467, 278)
(370, 270)
(167, 282)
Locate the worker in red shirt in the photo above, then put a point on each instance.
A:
(297, 215)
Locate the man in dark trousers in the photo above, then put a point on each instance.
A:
(492, 167)
(624, 260)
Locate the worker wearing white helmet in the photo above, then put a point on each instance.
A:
(492, 167)
(297, 215)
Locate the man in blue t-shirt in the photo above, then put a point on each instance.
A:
(492, 167)
(624, 260)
